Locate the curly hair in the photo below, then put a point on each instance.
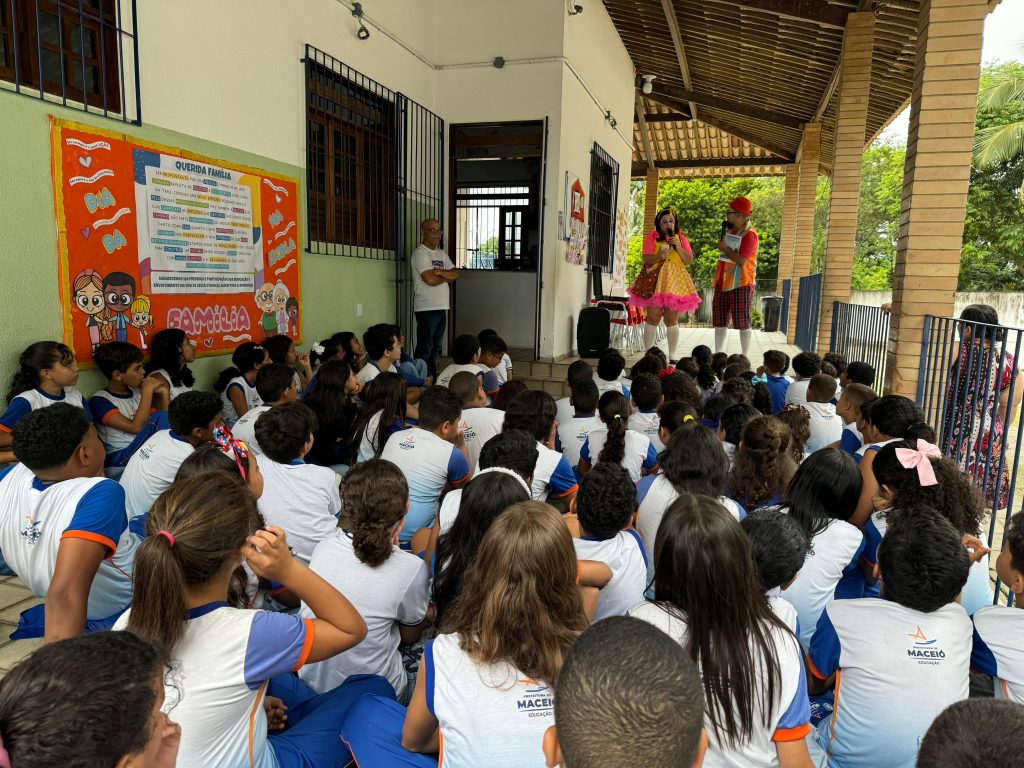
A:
(679, 386)
(374, 494)
(798, 421)
(763, 465)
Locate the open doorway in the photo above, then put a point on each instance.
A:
(495, 234)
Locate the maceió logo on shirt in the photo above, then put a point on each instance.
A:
(924, 650)
(536, 701)
(407, 443)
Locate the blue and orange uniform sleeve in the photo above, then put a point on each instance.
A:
(15, 411)
(101, 410)
(100, 516)
(982, 658)
(795, 722)
(585, 453)
(279, 643)
(428, 666)
(869, 553)
(563, 481)
(823, 654)
(849, 442)
(458, 468)
(651, 460)
(490, 382)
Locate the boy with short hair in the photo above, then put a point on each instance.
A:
(714, 406)
(805, 366)
(609, 368)
(647, 398)
(383, 352)
(302, 499)
(739, 390)
(192, 417)
(826, 426)
(857, 373)
(998, 629)
(466, 357)
(605, 508)
(503, 371)
(479, 423)
(573, 432)
(533, 412)
(494, 355)
(123, 410)
(775, 364)
(603, 712)
(63, 530)
(780, 548)
(579, 371)
(853, 399)
(432, 456)
(976, 733)
(275, 384)
(734, 421)
(902, 659)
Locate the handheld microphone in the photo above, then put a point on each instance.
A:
(725, 228)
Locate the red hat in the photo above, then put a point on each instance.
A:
(741, 205)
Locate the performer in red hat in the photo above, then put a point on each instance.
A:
(734, 275)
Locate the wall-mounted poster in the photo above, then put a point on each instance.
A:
(621, 248)
(152, 237)
(576, 220)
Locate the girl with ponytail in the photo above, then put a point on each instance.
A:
(763, 466)
(615, 443)
(229, 661)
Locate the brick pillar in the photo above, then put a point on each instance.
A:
(788, 229)
(804, 230)
(651, 199)
(854, 91)
(935, 178)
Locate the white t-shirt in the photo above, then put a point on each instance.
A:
(615, 385)
(552, 475)
(788, 716)
(899, 669)
(370, 371)
(624, 555)
(490, 715)
(564, 410)
(782, 608)
(488, 379)
(998, 650)
(221, 667)
(502, 369)
(654, 494)
(245, 428)
(151, 470)
(33, 400)
(478, 426)
(303, 499)
(103, 405)
(175, 389)
(826, 426)
(252, 398)
(394, 592)
(425, 297)
(796, 393)
(36, 516)
(647, 424)
(573, 433)
(370, 437)
(449, 510)
(639, 455)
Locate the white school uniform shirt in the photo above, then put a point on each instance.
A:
(502, 369)
(573, 433)
(478, 426)
(487, 377)
(490, 715)
(639, 455)
(370, 371)
(392, 593)
(175, 389)
(103, 405)
(788, 716)
(782, 608)
(615, 385)
(303, 499)
(369, 437)
(252, 398)
(624, 554)
(899, 668)
(245, 428)
(553, 475)
(36, 516)
(647, 424)
(564, 410)
(654, 494)
(449, 510)
(428, 463)
(151, 470)
(998, 651)
(426, 297)
(221, 667)
(826, 426)
(796, 393)
(33, 400)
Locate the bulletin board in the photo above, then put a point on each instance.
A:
(152, 237)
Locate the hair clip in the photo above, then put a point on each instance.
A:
(318, 349)
(170, 545)
(687, 418)
(232, 448)
(666, 372)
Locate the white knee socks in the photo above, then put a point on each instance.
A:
(650, 332)
(745, 342)
(720, 334)
(673, 339)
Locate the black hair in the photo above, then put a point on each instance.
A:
(736, 357)
(384, 396)
(277, 347)
(826, 487)
(374, 495)
(837, 361)
(694, 461)
(706, 378)
(166, 355)
(735, 419)
(718, 361)
(829, 369)
(48, 437)
(331, 347)
(1013, 541)
(658, 235)
(762, 465)
(780, 546)
(512, 449)
(272, 380)
(343, 340)
(807, 364)
(246, 357)
(485, 333)
(973, 733)
(861, 373)
(679, 386)
(585, 396)
(775, 359)
(980, 313)
(606, 500)
(672, 415)
(579, 370)
(898, 416)
(35, 358)
(327, 398)
(508, 392)
(119, 278)
(762, 399)
(464, 348)
(732, 371)
(822, 387)
(465, 385)
(193, 410)
(649, 363)
(533, 411)
(116, 356)
(689, 366)
(378, 339)
(284, 430)
(493, 344)
(437, 405)
(52, 701)
(646, 391)
(613, 410)
(610, 365)
(644, 708)
(922, 558)
(860, 394)
(739, 389)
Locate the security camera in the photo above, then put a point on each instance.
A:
(576, 10)
(647, 87)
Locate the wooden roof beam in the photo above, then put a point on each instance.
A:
(677, 42)
(833, 81)
(727, 105)
(816, 11)
(640, 169)
(644, 133)
(667, 117)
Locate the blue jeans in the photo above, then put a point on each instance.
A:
(430, 326)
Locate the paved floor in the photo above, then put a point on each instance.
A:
(15, 597)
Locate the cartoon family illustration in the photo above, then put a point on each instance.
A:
(280, 310)
(111, 306)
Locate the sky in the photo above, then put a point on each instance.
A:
(1003, 41)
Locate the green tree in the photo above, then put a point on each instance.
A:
(489, 247)
(1001, 93)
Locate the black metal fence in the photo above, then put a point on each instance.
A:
(787, 290)
(860, 332)
(808, 312)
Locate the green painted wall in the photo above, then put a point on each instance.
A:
(30, 311)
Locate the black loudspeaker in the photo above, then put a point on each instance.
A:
(593, 331)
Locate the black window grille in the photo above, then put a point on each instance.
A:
(489, 222)
(80, 53)
(604, 189)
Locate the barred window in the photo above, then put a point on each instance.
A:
(604, 189)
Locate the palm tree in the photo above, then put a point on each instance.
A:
(998, 144)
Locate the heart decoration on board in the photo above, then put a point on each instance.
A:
(208, 343)
(86, 231)
(85, 162)
(278, 198)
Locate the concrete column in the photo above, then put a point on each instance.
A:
(803, 237)
(935, 178)
(854, 92)
(787, 231)
(651, 199)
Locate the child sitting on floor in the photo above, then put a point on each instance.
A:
(275, 384)
(805, 365)
(647, 398)
(780, 549)
(172, 351)
(383, 414)
(616, 444)
(734, 420)
(578, 372)
(466, 357)
(573, 432)
(774, 368)
(494, 355)
(762, 467)
(976, 733)
(826, 426)
(382, 350)
(848, 409)
(479, 423)
(798, 421)
(237, 384)
(534, 412)
(609, 371)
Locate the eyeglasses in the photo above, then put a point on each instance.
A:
(434, 231)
